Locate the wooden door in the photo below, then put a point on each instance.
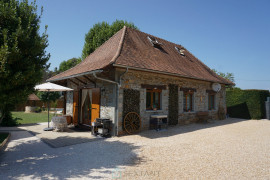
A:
(86, 110)
(75, 107)
(95, 109)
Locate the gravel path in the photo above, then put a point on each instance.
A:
(229, 149)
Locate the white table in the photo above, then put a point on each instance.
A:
(158, 120)
(59, 123)
(159, 116)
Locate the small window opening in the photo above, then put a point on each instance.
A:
(153, 99)
(188, 101)
(211, 101)
(181, 51)
(154, 42)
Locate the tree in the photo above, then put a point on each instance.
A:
(48, 96)
(65, 65)
(100, 33)
(22, 53)
(229, 76)
(47, 74)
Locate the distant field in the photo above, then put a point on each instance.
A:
(26, 118)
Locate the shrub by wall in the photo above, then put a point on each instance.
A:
(246, 103)
(173, 104)
(131, 101)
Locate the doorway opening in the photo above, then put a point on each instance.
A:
(90, 106)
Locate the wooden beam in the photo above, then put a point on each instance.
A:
(90, 80)
(80, 80)
(211, 91)
(188, 89)
(73, 82)
(148, 86)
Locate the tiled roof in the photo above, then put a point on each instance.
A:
(132, 48)
(33, 97)
(100, 58)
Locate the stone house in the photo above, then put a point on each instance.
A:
(137, 72)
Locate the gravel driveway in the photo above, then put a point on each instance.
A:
(229, 149)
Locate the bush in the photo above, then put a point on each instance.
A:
(236, 111)
(38, 110)
(9, 120)
(246, 103)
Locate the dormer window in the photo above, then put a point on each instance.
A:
(154, 42)
(180, 51)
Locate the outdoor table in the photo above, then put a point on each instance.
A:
(158, 120)
(59, 123)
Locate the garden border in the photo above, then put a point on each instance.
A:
(3, 144)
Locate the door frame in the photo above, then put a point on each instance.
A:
(99, 100)
(80, 121)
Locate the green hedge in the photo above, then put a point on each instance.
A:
(246, 103)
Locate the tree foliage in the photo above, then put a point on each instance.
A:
(229, 76)
(22, 52)
(65, 65)
(47, 74)
(100, 33)
(48, 96)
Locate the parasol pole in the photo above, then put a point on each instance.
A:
(48, 105)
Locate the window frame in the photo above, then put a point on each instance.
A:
(185, 94)
(211, 103)
(152, 91)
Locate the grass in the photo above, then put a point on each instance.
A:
(3, 136)
(27, 118)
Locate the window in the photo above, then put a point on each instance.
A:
(211, 101)
(154, 42)
(188, 101)
(153, 99)
(180, 51)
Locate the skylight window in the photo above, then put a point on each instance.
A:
(154, 42)
(181, 51)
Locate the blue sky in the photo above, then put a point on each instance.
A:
(229, 36)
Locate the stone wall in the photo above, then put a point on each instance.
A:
(134, 79)
(69, 103)
(69, 98)
(107, 100)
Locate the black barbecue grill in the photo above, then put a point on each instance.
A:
(101, 127)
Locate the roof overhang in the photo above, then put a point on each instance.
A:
(165, 73)
(75, 75)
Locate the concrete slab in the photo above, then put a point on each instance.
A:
(52, 138)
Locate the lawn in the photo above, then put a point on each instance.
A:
(26, 118)
(3, 136)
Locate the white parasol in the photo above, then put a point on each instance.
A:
(50, 87)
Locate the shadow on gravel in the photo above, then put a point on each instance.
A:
(174, 130)
(35, 160)
(68, 141)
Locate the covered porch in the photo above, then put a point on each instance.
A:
(95, 96)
